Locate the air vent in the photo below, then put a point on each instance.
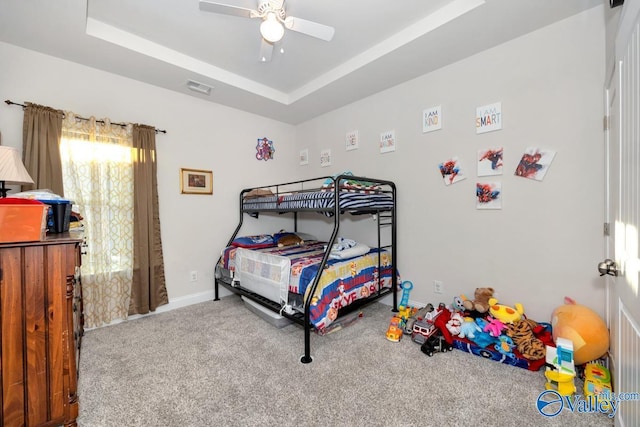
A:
(199, 87)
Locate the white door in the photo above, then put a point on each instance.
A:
(623, 210)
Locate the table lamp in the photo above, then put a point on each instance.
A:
(12, 171)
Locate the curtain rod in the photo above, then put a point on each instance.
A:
(8, 102)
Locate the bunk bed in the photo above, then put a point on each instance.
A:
(310, 283)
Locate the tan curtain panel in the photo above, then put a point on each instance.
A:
(148, 290)
(41, 132)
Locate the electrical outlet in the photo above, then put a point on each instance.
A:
(193, 276)
(438, 287)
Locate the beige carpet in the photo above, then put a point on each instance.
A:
(218, 364)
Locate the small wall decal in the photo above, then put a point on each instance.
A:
(351, 140)
(535, 163)
(304, 156)
(451, 171)
(325, 158)
(432, 119)
(489, 118)
(490, 161)
(489, 195)
(388, 141)
(265, 149)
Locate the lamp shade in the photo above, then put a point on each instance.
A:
(12, 170)
(271, 29)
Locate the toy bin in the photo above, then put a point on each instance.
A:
(59, 215)
(22, 220)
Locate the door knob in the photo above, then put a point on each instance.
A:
(608, 266)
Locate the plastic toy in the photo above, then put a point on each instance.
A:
(584, 327)
(421, 314)
(560, 371)
(426, 327)
(480, 301)
(504, 313)
(560, 382)
(394, 332)
(406, 290)
(597, 381)
(435, 343)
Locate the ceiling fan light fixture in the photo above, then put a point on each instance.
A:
(271, 29)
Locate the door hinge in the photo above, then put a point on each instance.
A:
(607, 229)
(605, 123)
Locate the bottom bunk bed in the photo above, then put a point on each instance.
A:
(282, 278)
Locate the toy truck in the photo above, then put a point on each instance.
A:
(434, 344)
(423, 328)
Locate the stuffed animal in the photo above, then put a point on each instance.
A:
(458, 303)
(494, 327)
(504, 313)
(469, 328)
(584, 328)
(480, 301)
(523, 336)
(505, 346)
(289, 239)
(454, 323)
(482, 338)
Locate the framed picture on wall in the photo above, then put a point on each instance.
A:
(196, 181)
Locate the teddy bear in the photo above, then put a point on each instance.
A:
(480, 302)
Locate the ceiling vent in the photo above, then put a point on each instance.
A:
(199, 87)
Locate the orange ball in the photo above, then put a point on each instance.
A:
(584, 328)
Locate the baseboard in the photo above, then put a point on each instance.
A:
(179, 302)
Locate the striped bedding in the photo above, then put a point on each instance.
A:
(321, 200)
(342, 281)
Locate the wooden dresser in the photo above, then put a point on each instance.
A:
(42, 325)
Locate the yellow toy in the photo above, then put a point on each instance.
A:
(584, 328)
(560, 382)
(597, 381)
(504, 313)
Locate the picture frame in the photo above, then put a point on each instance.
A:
(196, 181)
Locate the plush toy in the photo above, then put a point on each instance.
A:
(480, 301)
(494, 327)
(523, 336)
(584, 328)
(504, 313)
(454, 323)
(505, 346)
(458, 303)
(469, 328)
(289, 239)
(482, 338)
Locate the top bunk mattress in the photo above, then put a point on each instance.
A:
(320, 200)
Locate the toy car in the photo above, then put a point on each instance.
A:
(394, 332)
(420, 314)
(423, 328)
(435, 343)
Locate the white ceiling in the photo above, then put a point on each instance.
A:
(377, 44)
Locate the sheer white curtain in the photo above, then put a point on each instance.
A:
(98, 178)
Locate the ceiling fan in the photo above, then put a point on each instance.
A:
(274, 21)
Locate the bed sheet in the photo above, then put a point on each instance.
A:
(342, 282)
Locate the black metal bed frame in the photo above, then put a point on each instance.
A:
(386, 217)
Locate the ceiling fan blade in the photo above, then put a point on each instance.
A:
(276, 4)
(226, 9)
(309, 28)
(266, 50)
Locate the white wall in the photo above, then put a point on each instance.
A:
(200, 135)
(546, 241)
